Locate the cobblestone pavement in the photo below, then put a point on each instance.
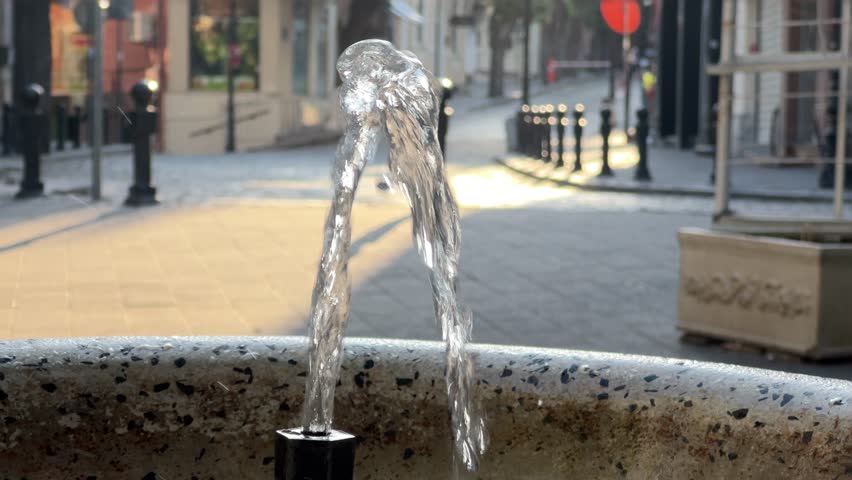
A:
(234, 245)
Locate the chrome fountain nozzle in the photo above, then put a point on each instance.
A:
(300, 455)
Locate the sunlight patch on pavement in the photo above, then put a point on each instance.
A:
(495, 187)
(243, 269)
(616, 139)
(318, 184)
(618, 160)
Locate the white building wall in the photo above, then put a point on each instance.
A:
(756, 96)
(742, 105)
(771, 83)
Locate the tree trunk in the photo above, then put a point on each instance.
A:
(496, 73)
(500, 39)
(32, 58)
(364, 19)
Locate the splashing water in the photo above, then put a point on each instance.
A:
(389, 91)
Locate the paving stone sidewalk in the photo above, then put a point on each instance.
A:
(234, 247)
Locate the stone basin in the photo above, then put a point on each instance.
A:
(207, 408)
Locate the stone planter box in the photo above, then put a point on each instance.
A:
(788, 295)
(207, 407)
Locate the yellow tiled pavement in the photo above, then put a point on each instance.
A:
(225, 269)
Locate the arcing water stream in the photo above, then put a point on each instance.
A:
(387, 91)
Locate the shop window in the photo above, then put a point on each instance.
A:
(209, 55)
(301, 45)
(813, 25)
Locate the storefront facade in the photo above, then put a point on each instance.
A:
(285, 73)
(132, 51)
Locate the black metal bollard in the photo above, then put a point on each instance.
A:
(542, 125)
(561, 123)
(443, 125)
(33, 123)
(547, 130)
(579, 123)
(144, 125)
(61, 122)
(552, 121)
(642, 173)
(539, 132)
(526, 132)
(301, 456)
(444, 113)
(535, 133)
(606, 129)
(74, 126)
(8, 129)
(523, 128)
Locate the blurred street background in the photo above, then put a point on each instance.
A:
(245, 138)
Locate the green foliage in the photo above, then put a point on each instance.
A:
(512, 10)
(586, 9)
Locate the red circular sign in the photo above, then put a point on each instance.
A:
(622, 16)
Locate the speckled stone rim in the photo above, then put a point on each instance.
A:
(208, 407)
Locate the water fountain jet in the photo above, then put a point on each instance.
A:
(388, 91)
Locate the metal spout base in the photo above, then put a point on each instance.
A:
(316, 457)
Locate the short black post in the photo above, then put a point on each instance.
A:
(829, 149)
(606, 129)
(74, 126)
(642, 173)
(444, 113)
(8, 129)
(535, 133)
(61, 122)
(33, 123)
(547, 122)
(144, 125)
(561, 123)
(579, 123)
(521, 130)
(299, 456)
(526, 131)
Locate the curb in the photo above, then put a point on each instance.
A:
(75, 154)
(663, 189)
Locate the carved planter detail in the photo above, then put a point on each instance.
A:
(784, 294)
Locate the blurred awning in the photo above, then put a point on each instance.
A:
(405, 11)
